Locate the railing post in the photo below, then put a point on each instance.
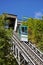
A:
(19, 56)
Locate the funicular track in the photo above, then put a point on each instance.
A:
(23, 50)
(35, 58)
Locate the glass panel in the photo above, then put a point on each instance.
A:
(23, 29)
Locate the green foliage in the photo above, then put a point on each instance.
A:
(40, 46)
(6, 56)
(35, 31)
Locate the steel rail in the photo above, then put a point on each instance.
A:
(35, 55)
(25, 53)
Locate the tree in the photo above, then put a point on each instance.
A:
(35, 31)
(6, 57)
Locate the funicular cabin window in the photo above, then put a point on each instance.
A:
(23, 29)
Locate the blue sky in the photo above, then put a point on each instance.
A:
(27, 8)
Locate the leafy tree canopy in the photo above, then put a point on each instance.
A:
(6, 56)
(35, 31)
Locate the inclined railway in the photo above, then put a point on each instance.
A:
(29, 51)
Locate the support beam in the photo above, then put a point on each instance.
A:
(15, 27)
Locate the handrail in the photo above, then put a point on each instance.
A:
(32, 50)
(32, 46)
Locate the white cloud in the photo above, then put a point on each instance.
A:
(38, 14)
